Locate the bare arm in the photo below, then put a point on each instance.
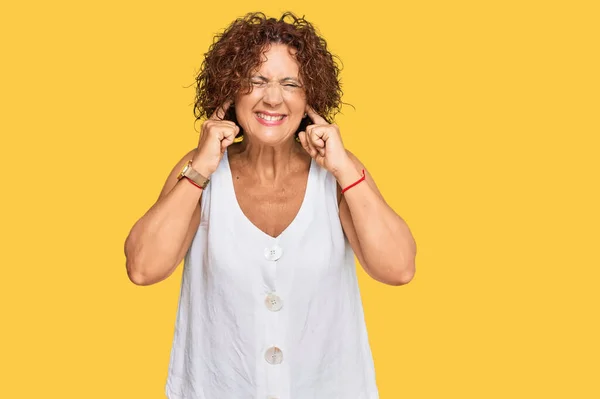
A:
(160, 239)
(379, 237)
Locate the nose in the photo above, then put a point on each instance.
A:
(272, 95)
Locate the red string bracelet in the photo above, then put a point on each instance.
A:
(191, 181)
(355, 183)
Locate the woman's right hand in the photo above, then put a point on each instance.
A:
(216, 135)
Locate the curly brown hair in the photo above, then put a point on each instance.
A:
(237, 52)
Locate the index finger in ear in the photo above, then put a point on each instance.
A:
(316, 118)
(219, 113)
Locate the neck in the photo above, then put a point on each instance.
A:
(270, 164)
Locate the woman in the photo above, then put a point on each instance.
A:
(269, 305)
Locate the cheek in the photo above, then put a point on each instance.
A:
(244, 106)
(245, 102)
(243, 119)
(295, 101)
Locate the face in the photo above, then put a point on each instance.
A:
(272, 112)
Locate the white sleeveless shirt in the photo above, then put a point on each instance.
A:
(273, 318)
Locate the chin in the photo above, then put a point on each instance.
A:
(271, 135)
(271, 138)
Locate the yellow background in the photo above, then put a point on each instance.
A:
(479, 121)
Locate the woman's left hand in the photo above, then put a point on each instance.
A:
(323, 143)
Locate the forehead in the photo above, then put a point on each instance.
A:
(279, 62)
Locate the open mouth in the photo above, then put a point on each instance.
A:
(270, 118)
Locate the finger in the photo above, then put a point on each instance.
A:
(316, 138)
(316, 118)
(229, 136)
(304, 142)
(219, 113)
(311, 149)
(225, 143)
(317, 143)
(228, 133)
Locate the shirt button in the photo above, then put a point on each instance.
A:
(273, 302)
(273, 253)
(274, 355)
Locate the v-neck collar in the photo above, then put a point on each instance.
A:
(294, 224)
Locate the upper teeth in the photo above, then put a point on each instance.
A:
(270, 118)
